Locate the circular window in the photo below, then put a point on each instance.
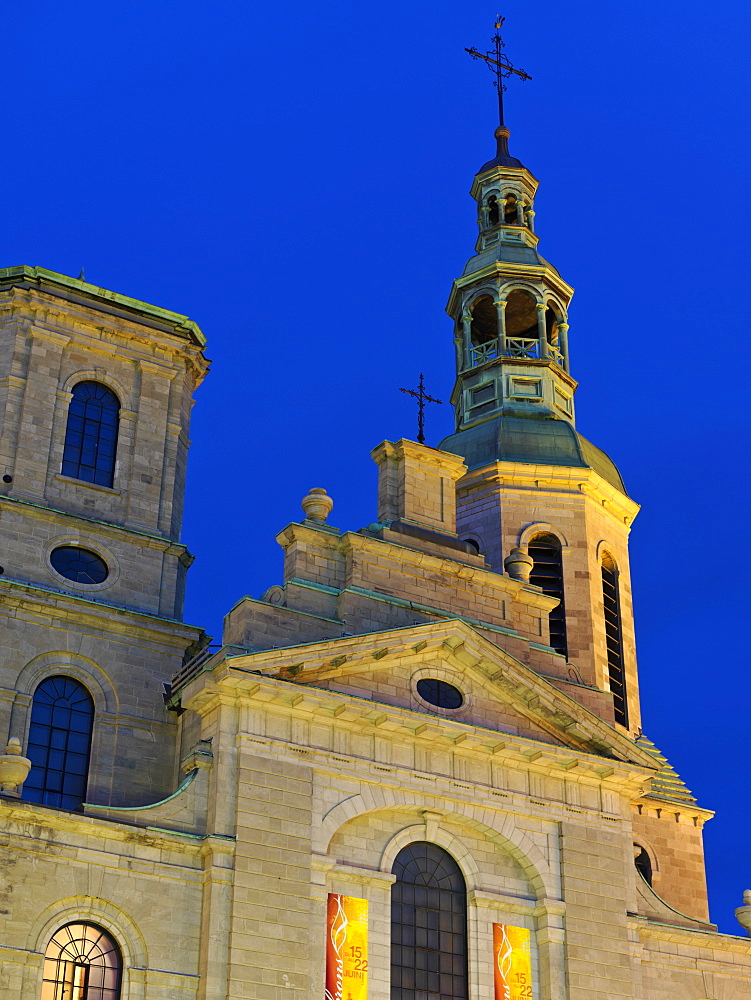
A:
(79, 565)
(439, 693)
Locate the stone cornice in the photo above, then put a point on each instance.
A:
(557, 478)
(96, 614)
(44, 513)
(22, 821)
(36, 281)
(690, 937)
(257, 676)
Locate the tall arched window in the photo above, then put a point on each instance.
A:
(547, 573)
(613, 639)
(82, 962)
(91, 434)
(428, 926)
(59, 744)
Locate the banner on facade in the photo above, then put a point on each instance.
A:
(346, 948)
(512, 962)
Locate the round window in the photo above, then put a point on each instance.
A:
(79, 565)
(439, 693)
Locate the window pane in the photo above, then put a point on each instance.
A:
(91, 434)
(82, 963)
(60, 758)
(428, 926)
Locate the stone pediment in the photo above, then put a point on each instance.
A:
(500, 693)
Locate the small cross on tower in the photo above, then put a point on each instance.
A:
(498, 64)
(422, 398)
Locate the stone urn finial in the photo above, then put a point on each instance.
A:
(317, 505)
(743, 913)
(518, 564)
(14, 768)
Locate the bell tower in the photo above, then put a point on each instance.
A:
(539, 501)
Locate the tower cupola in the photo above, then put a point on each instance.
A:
(510, 311)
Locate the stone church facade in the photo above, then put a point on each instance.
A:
(435, 716)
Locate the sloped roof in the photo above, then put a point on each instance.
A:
(531, 440)
(667, 783)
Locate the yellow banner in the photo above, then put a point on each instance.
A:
(346, 948)
(512, 962)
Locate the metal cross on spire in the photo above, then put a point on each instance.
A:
(422, 398)
(499, 65)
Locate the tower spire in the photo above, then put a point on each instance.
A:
(501, 68)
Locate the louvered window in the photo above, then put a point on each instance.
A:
(613, 639)
(547, 573)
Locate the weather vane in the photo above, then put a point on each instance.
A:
(422, 398)
(498, 64)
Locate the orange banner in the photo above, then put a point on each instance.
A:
(512, 962)
(346, 948)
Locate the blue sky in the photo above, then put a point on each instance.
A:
(295, 179)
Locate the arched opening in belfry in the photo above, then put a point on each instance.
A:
(494, 211)
(547, 573)
(511, 210)
(521, 315)
(643, 863)
(484, 321)
(552, 321)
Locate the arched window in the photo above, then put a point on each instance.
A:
(494, 213)
(511, 210)
(643, 863)
(428, 926)
(613, 639)
(547, 573)
(59, 744)
(551, 326)
(521, 315)
(82, 962)
(484, 321)
(91, 434)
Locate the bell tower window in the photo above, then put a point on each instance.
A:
(484, 327)
(521, 315)
(613, 639)
(547, 573)
(551, 327)
(643, 863)
(511, 210)
(91, 434)
(494, 212)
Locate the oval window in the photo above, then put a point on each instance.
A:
(79, 565)
(439, 693)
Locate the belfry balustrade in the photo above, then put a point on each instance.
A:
(515, 347)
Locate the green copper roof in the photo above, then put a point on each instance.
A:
(67, 287)
(505, 253)
(532, 441)
(667, 784)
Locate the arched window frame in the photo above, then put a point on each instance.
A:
(65, 972)
(437, 938)
(557, 617)
(52, 740)
(613, 627)
(91, 439)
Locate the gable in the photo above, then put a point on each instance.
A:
(483, 705)
(502, 694)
